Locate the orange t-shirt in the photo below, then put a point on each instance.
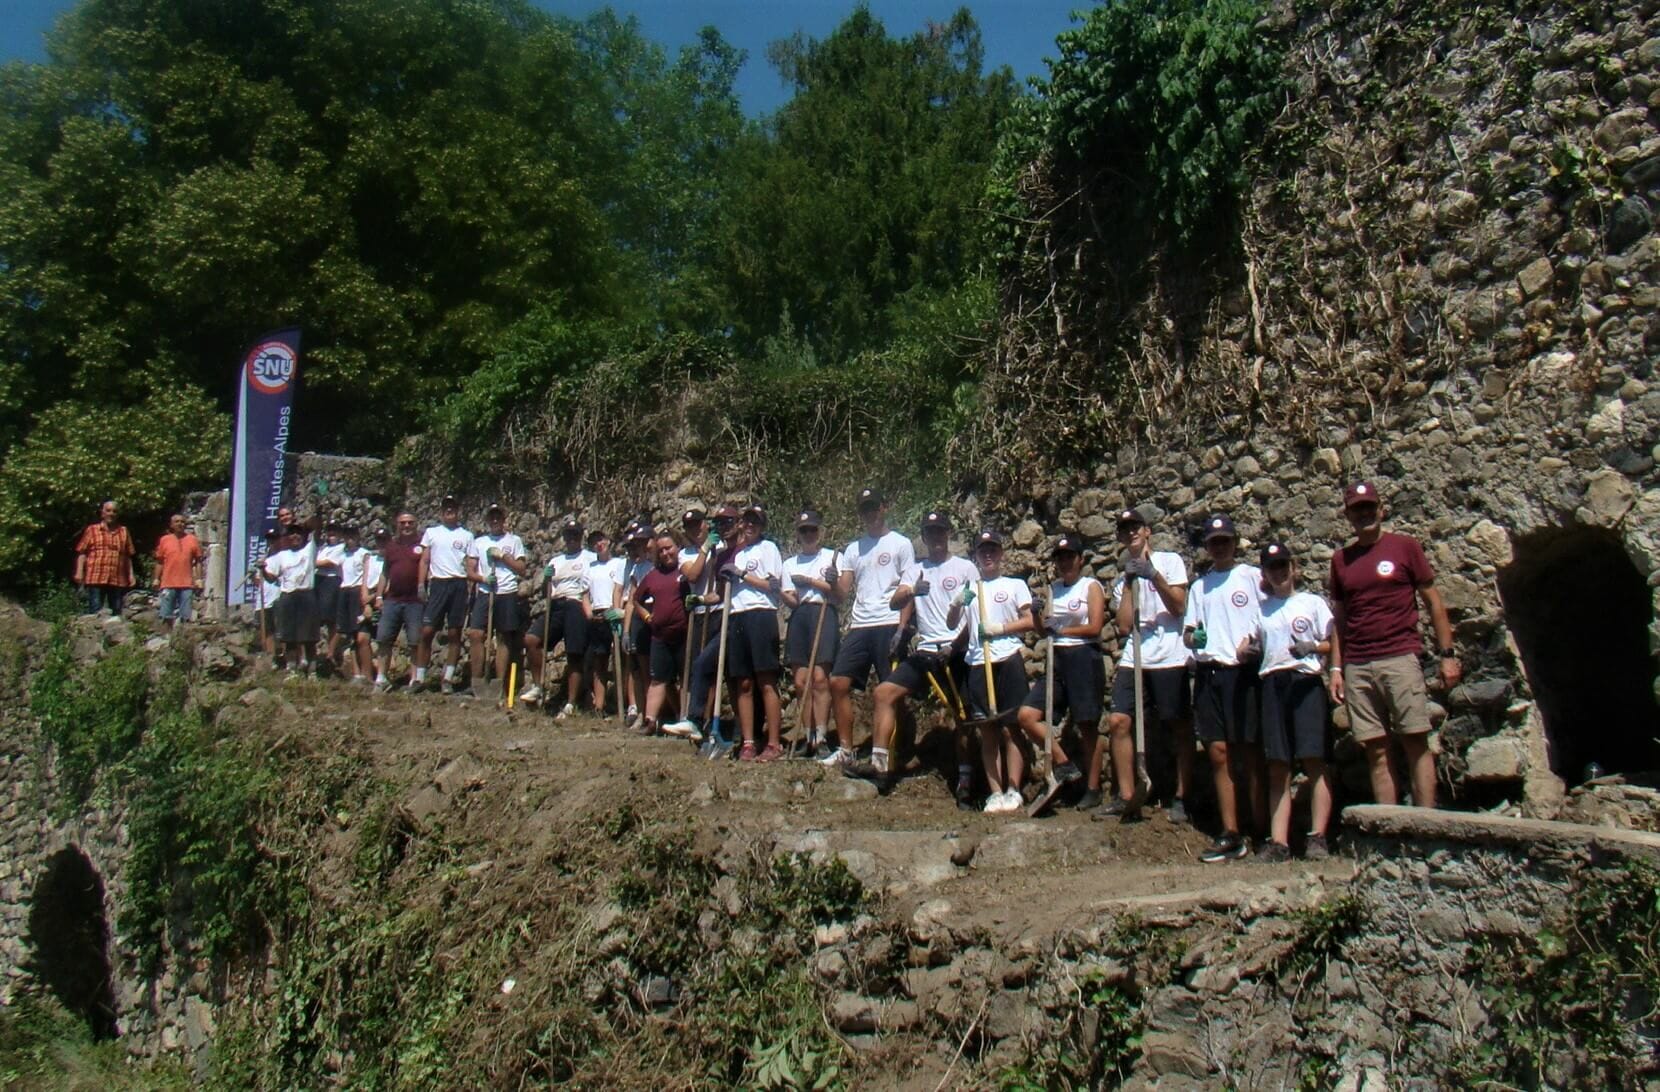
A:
(177, 554)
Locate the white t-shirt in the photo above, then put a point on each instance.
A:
(946, 580)
(1302, 616)
(293, 570)
(813, 566)
(602, 580)
(877, 565)
(331, 554)
(1003, 598)
(351, 566)
(704, 582)
(269, 590)
(1161, 628)
(373, 563)
(1069, 604)
(1229, 604)
(758, 559)
(446, 552)
(633, 573)
(570, 574)
(507, 544)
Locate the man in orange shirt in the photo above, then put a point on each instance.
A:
(104, 561)
(178, 572)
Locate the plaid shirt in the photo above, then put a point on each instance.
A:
(109, 556)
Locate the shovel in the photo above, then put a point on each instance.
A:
(1040, 803)
(489, 687)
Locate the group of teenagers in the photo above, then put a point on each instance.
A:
(1237, 655)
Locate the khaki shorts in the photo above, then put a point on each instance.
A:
(1386, 696)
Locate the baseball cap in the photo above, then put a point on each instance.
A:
(869, 498)
(1219, 527)
(449, 503)
(1361, 493)
(755, 514)
(495, 509)
(1131, 517)
(381, 531)
(988, 537)
(692, 515)
(1068, 543)
(274, 532)
(1275, 552)
(571, 526)
(936, 519)
(726, 511)
(636, 530)
(808, 518)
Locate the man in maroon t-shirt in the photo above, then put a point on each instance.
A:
(660, 598)
(400, 591)
(1376, 582)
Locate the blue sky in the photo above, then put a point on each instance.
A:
(1019, 33)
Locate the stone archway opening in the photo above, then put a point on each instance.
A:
(69, 938)
(1580, 612)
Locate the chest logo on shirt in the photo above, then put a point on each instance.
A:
(950, 583)
(754, 563)
(1239, 599)
(1301, 625)
(1001, 597)
(884, 559)
(1073, 606)
(1386, 567)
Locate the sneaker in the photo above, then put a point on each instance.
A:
(445, 686)
(1273, 852)
(836, 758)
(1315, 849)
(1125, 811)
(1012, 802)
(746, 753)
(531, 694)
(565, 712)
(682, 729)
(1227, 847)
(291, 674)
(994, 804)
(382, 685)
(821, 750)
(772, 752)
(864, 771)
(964, 792)
(1177, 812)
(1089, 801)
(632, 717)
(1067, 772)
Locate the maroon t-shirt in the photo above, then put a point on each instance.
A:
(403, 571)
(1377, 587)
(667, 593)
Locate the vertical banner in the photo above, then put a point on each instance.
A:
(268, 380)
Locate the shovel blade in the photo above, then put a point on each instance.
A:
(1045, 799)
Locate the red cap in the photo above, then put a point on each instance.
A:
(1361, 493)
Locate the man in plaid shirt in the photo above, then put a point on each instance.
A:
(104, 562)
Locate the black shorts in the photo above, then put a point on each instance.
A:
(570, 626)
(327, 590)
(913, 671)
(752, 644)
(798, 635)
(1225, 703)
(296, 616)
(1010, 676)
(1165, 693)
(599, 639)
(509, 612)
(1080, 683)
(348, 610)
(1294, 716)
(446, 603)
(667, 658)
(863, 649)
(639, 636)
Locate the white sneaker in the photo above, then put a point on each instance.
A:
(994, 804)
(1009, 800)
(382, 685)
(836, 759)
(565, 712)
(531, 694)
(684, 729)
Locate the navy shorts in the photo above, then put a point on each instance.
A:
(1165, 693)
(509, 613)
(752, 644)
(1010, 677)
(1225, 703)
(326, 587)
(395, 615)
(863, 649)
(798, 636)
(570, 625)
(913, 671)
(667, 658)
(348, 610)
(639, 636)
(1080, 683)
(1294, 716)
(296, 615)
(446, 603)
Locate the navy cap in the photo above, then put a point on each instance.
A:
(1068, 543)
(1219, 527)
(988, 537)
(572, 524)
(1275, 552)
(1132, 517)
(936, 519)
(870, 498)
(636, 531)
(495, 509)
(755, 514)
(693, 514)
(449, 504)
(381, 531)
(808, 518)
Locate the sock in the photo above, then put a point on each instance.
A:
(449, 672)
(879, 758)
(420, 674)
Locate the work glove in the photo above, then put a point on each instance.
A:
(547, 571)
(614, 623)
(967, 596)
(774, 585)
(1304, 647)
(613, 615)
(713, 540)
(694, 600)
(1139, 567)
(921, 587)
(492, 555)
(1197, 638)
(1054, 625)
(988, 631)
(729, 572)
